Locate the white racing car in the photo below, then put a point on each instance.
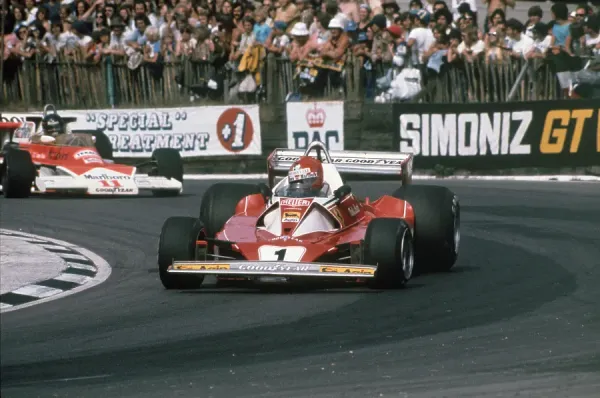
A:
(80, 164)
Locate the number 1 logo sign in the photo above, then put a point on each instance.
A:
(235, 129)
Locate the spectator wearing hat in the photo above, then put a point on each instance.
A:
(333, 51)
(301, 45)
(361, 48)
(535, 15)
(278, 42)
(519, 43)
(335, 48)
(421, 37)
(379, 49)
(390, 10)
(117, 37)
(397, 46)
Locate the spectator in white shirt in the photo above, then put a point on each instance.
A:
(592, 36)
(519, 43)
(471, 46)
(541, 41)
(420, 37)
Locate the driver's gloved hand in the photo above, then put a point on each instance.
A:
(342, 192)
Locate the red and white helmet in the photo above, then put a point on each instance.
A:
(305, 177)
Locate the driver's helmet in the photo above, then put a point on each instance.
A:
(305, 177)
(53, 125)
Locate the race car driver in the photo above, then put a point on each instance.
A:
(305, 179)
(52, 130)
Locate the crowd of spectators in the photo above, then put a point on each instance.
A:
(315, 35)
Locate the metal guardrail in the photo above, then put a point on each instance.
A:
(481, 82)
(76, 84)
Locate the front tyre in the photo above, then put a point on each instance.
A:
(219, 202)
(437, 225)
(389, 245)
(169, 165)
(177, 242)
(17, 174)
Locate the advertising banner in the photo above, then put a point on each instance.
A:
(562, 133)
(315, 121)
(194, 131)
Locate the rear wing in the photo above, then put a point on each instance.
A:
(358, 164)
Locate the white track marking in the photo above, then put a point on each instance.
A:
(37, 291)
(43, 294)
(79, 279)
(70, 256)
(81, 266)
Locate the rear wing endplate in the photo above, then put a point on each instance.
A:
(372, 165)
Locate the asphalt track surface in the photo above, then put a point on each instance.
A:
(519, 315)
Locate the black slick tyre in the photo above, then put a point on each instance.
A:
(219, 201)
(177, 242)
(388, 244)
(437, 225)
(169, 165)
(17, 174)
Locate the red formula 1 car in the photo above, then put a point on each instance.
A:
(259, 234)
(80, 163)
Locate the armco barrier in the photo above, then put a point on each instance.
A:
(474, 137)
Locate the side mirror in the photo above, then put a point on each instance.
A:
(342, 192)
(265, 191)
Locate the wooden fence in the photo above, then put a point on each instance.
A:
(73, 84)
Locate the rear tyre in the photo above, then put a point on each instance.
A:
(389, 245)
(437, 225)
(17, 174)
(219, 201)
(169, 165)
(177, 242)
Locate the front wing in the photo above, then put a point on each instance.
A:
(133, 186)
(273, 268)
(70, 184)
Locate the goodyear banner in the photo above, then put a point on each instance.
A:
(562, 133)
(315, 121)
(194, 131)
